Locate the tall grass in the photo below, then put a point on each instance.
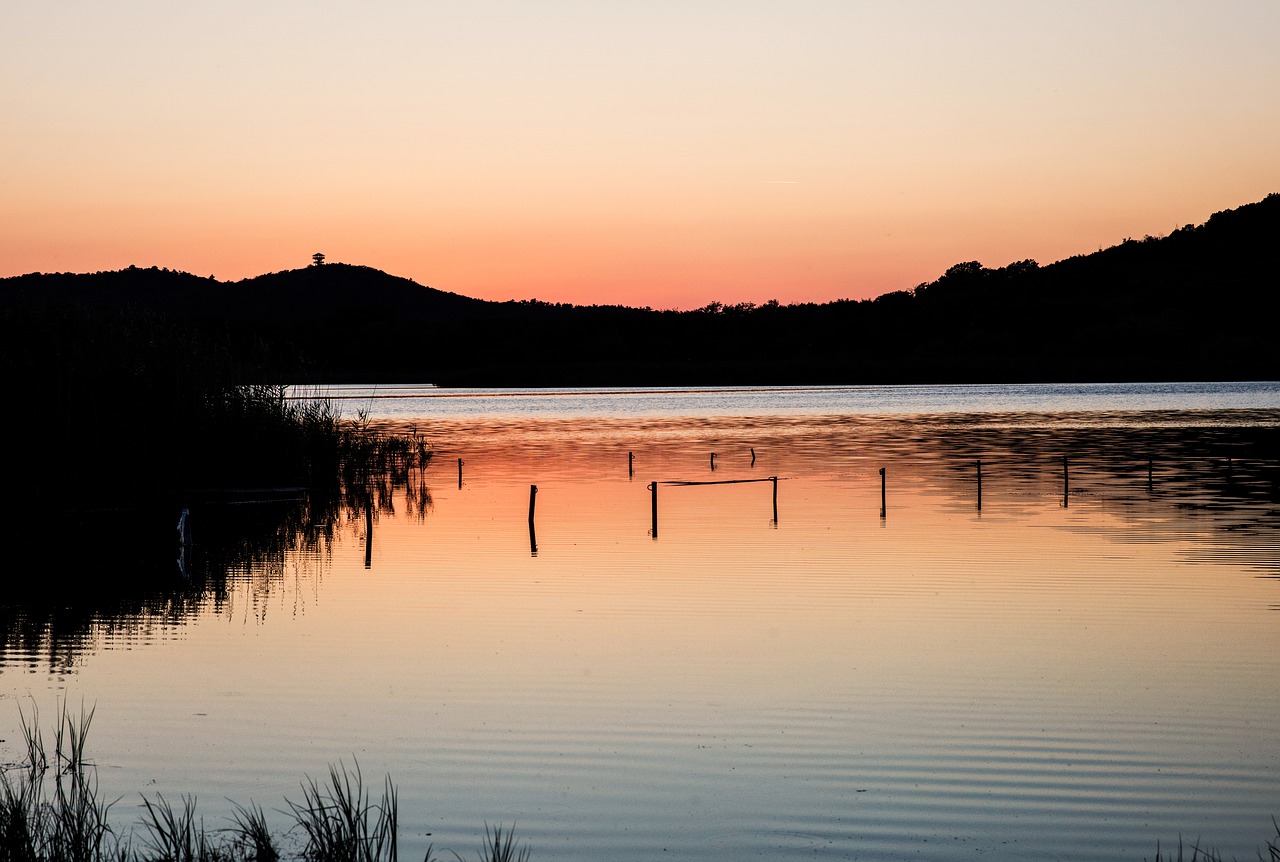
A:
(1200, 854)
(342, 823)
(500, 846)
(252, 835)
(175, 835)
(123, 407)
(308, 470)
(51, 809)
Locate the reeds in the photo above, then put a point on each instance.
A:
(308, 470)
(1199, 854)
(136, 406)
(342, 823)
(499, 846)
(51, 810)
(252, 837)
(176, 835)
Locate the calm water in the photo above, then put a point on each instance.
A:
(1057, 662)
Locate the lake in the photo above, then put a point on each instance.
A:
(1049, 629)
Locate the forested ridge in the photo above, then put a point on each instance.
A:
(1197, 304)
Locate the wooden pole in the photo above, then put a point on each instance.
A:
(368, 535)
(883, 509)
(775, 497)
(753, 456)
(533, 538)
(979, 465)
(459, 473)
(713, 460)
(653, 490)
(631, 464)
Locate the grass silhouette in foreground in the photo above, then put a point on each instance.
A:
(52, 810)
(1199, 854)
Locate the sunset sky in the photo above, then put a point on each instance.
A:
(659, 153)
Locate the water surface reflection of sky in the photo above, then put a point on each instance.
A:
(1048, 676)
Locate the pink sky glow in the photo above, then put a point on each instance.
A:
(663, 154)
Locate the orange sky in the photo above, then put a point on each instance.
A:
(664, 154)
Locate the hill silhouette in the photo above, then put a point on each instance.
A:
(293, 298)
(1199, 303)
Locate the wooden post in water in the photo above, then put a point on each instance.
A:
(459, 473)
(775, 497)
(882, 495)
(1066, 483)
(713, 460)
(533, 538)
(979, 466)
(753, 456)
(631, 464)
(653, 490)
(368, 535)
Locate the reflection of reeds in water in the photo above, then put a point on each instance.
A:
(418, 500)
(53, 811)
(375, 464)
(132, 570)
(1222, 474)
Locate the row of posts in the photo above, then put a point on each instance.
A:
(653, 490)
(631, 461)
(653, 486)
